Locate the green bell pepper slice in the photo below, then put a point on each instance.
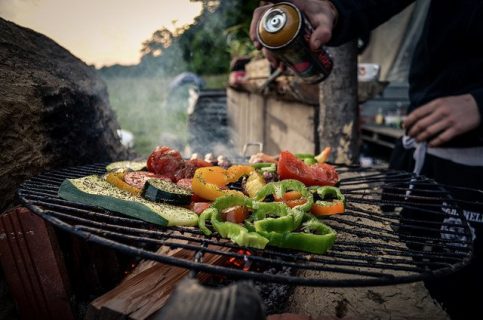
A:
(262, 229)
(309, 242)
(278, 189)
(235, 232)
(326, 192)
(307, 158)
(265, 166)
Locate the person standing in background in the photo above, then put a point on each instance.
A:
(444, 126)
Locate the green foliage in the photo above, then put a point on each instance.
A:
(206, 47)
(215, 81)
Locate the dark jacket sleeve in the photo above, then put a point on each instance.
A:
(359, 17)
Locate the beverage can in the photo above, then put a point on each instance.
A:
(285, 31)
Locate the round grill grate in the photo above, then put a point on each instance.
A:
(397, 228)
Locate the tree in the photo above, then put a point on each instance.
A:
(202, 47)
(338, 111)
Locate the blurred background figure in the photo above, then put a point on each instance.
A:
(174, 122)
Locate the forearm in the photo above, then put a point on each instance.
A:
(357, 17)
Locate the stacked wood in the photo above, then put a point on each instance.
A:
(145, 291)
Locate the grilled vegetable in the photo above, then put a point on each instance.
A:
(126, 166)
(260, 228)
(160, 190)
(255, 183)
(137, 179)
(329, 201)
(265, 166)
(210, 182)
(117, 180)
(281, 188)
(307, 158)
(319, 174)
(199, 207)
(233, 231)
(324, 155)
(236, 214)
(165, 161)
(327, 208)
(95, 191)
(302, 241)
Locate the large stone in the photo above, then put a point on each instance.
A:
(54, 110)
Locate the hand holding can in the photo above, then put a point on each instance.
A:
(310, 22)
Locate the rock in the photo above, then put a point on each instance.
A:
(54, 110)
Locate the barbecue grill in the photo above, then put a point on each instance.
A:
(398, 228)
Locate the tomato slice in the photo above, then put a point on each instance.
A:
(319, 174)
(236, 214)
(292, 199)
(137, 179)
(185, 183)
(291, 195)
(294, 203)
(199, 207)
(198, 163)
(165, 161)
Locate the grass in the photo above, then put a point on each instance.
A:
(146, 107)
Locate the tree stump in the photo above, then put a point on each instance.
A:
(338, 110)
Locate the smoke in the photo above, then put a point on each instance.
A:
(209, 131)
(160, 113)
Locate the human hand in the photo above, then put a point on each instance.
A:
(442, 119)
(321, 14)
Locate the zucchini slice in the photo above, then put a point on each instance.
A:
(126, 165)
(95, 191)
(160, 190)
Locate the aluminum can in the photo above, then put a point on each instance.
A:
(285, 32)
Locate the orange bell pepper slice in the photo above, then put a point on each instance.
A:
(234, 173)
(324, 155)
(333, 207)
(321, 208)
(210, 182)
(117, 180)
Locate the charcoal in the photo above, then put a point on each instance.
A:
(275, 295)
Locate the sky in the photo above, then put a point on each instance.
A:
(100, 32)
